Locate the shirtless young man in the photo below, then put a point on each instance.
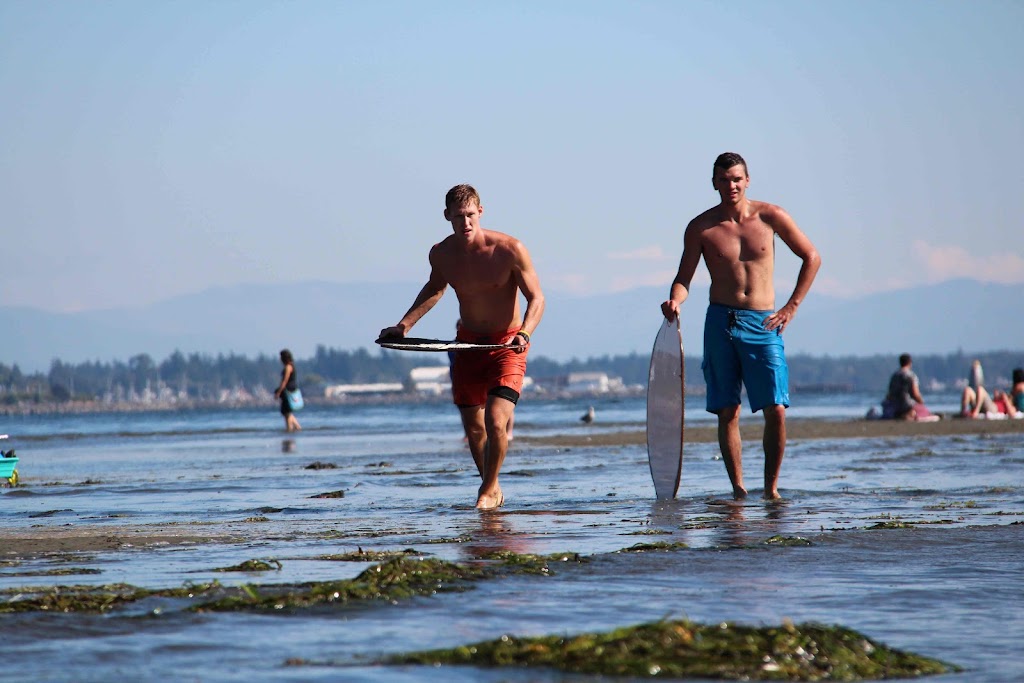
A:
(487, 270)
(742, 332)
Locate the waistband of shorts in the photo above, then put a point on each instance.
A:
(722, 308)
(487, 337)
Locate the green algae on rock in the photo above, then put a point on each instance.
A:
(663, 546)
(253, 566)
(63, 571)
(806, 652)
(330, 494)
(369, 555)
(788, 541)
(526, 563)
(91, 598)
(397, 579)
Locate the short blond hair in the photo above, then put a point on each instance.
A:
(460, 195)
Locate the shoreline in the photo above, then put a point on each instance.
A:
(56, 540)
(797, 429)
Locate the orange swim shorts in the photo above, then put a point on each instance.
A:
(479, 374)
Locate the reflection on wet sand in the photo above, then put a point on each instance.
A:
(731, 527)
(493, 532)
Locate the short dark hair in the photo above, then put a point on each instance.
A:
(286, 356)
(904, 360)
(1018, 375)
(727, 160)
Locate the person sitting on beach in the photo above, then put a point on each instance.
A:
(1017, 390)
(1011, 404)
(975, 399)
(903, 400)
(1004, 405)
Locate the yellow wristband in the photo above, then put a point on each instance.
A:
(524, 334)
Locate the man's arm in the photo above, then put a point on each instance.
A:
(915, 392)
(529, 284)
(680, 289)
(794, 238)
(429, 295)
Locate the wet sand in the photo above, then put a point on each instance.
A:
(79, 538)
(751, 429)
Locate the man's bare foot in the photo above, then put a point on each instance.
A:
(772, 495)
(739, 493)
(490, 501)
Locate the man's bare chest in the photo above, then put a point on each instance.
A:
(478, 271)
(731, 241)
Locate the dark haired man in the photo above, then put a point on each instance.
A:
(742, 331)
(903, 400)
(487, 269)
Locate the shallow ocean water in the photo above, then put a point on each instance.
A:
(950, 585)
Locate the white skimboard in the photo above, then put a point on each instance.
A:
(419, 344)
(665, 394)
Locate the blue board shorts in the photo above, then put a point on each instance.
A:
(738, 350)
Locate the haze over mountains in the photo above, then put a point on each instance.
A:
(261, 319)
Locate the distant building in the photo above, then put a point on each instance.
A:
(432, 379)
(592, 383)
(436, 380)
(342, 390)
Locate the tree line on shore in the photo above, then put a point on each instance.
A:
(199, 377)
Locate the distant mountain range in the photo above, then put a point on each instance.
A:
(261, 319)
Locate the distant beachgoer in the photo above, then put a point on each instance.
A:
(487, 269)
(1004, 405)
(1010, 402)
(743, 331)
(289, 382)
(1017, 390)
(903, 400)
(975, 399)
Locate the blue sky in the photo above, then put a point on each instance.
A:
(161, 148)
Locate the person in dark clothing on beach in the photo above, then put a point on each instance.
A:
(903, 400)
(289, 382)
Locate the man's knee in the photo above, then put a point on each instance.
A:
(472, 417)
(499, 411)
(728, 414)
(775, 414)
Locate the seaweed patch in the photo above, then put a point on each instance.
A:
(253, 566)
(396, 579)
(675, 649)
(787, 541)
(662, 546)
(368, 555)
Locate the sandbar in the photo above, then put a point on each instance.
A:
(752, 427)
